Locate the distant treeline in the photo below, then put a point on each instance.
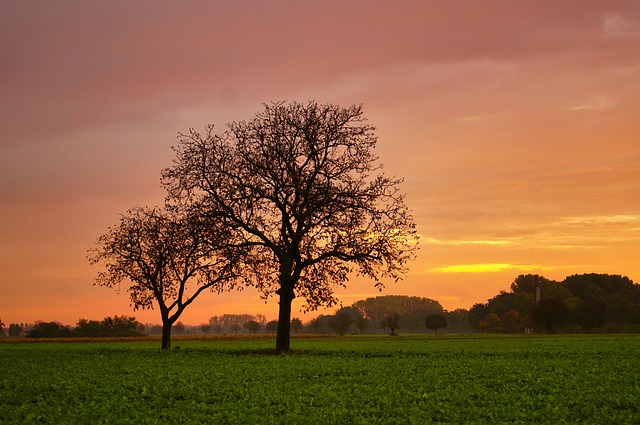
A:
(585, 303)
(116, 326)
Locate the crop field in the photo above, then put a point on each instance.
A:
(351, 380)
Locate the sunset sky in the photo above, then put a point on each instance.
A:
(516, 126)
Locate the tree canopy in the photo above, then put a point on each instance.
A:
(167, 257)
(300, 185)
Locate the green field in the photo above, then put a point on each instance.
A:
(355, 380)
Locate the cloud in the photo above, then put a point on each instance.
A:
(486, 268)
(435, 241)
(595, 103)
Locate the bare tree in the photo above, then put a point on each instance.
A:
(168, 257)
(298, 182)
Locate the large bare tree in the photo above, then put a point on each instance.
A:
(301, 185)
(167, 257)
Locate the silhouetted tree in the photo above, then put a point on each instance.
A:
(205, 328)
(159, 252)
(551, 313)
(318, 324)
(592, 313)
(272, 326)
(1, 328)
(512, 321)
(391, 321)
(16, 329)
(458, 320)
(216, 324)
(89, 328)
(296, 325)
(477, 313)
(251, 326)
(491, 323)
(341, 322)
(49, 330)
(297, 183)
(435, 322)
(179, 327)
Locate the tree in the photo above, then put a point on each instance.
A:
(252, 326)
(512, 321)
(49, 330)
(216, 324)
(412, 310)
(1, 328)
(298, 184)
(341, 322)
(435, 322)
(296, 325)
(391, 321)
(179, 327)
(477, 314)
(158, 252)
(16, 329)
(491, 323)
(551, 313)
(205, 328)
(272, 326)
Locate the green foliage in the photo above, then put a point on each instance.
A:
(359, 380)
(581, 303)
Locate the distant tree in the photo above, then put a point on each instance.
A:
(216, 324)
(315, 324)
(391, 321)
(592, 313)
(361, 323)
(512, 321)
(296, 325)
(163, 254)
(252, 326)
(435, 322)
(179, 327)
(551, 313)
(205, 328)
(235, 328)
(477, 314)
(412, 310)
(458, 320)
(1, 328)
(341, 322)
(298, 183)
(491, 323)
(15, 329)
(262, 319)
(49, 330)
(120, 326)
(272, 326)
(89, 328)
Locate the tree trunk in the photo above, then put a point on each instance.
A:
(283, 337)
(166, 334)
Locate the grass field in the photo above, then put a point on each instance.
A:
(354, 380)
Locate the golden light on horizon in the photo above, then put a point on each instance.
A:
(514, 125)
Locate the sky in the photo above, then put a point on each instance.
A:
(515, 126)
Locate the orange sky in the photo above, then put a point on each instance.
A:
(515, 124)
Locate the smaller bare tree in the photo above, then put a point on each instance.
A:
(169, 257)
